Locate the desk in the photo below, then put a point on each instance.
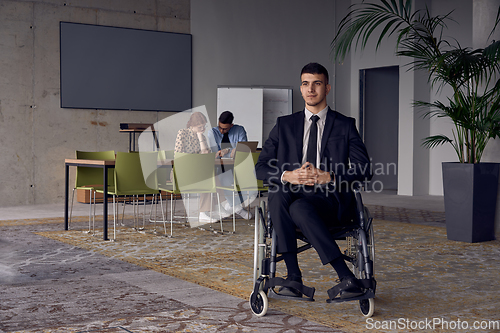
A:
(105, 165)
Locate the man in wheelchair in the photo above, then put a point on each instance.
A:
(310, 160)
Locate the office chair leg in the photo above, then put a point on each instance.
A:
(136, 219)
(211, 206)
(90, 210)
(144, 214)
(249, 210)
(123, 212)
(218, 200)
(71, 210)
(114, 217)
(234, 216)
(171, 215)
(162, 214)
(93, 217)
(155, 199)
(188, 212)
(151, 213)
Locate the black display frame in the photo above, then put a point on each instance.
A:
(118, 68)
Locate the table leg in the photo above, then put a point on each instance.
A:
(105, 203)
(156, 142)
(66, 195)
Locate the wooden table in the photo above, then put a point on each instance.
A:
(105, 165)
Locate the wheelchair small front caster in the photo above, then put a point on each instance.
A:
(259, 303)
(367, 307)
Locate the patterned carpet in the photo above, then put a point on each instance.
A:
(422, 277)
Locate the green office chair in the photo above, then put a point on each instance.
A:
(260, 184)
(163, 177)
(164, 171)
(90, 179)
(130, 181)
(193, 174)
(244, 179)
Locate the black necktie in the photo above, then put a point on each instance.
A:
(225, 143)
(313, 140)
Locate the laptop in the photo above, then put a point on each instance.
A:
(247, 146)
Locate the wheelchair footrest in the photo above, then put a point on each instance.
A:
(307, 292)
(368, 294)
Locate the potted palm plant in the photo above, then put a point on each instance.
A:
(470, 186)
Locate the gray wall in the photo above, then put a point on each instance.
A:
(258, 42)
(36, 135)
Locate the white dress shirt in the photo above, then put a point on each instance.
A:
(307, 125)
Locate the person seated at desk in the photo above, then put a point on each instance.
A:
(223, 139)
(191, 140)
(226, 135)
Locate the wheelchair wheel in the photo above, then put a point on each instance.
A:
(259, 303)
(369, 237)
(355, 253)
(367, 307)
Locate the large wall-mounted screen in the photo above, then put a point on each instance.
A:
(114, 68)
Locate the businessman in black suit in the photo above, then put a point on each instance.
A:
(310, 160)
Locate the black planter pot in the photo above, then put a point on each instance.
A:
(470, 196)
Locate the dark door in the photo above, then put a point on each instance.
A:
(379, 123)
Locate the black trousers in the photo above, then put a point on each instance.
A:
(293, 206)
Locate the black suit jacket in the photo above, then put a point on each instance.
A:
(342, 151)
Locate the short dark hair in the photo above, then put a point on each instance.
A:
(315, 68)
(226, 117)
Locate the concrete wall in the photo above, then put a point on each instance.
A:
(36, 135)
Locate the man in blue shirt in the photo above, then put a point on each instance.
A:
(223, 139)
(226, 135)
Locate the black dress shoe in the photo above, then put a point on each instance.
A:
(349, 287)
(352, 288)
(290, 291)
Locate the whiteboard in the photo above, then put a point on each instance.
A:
(246, 104)
(277, 103)
(256, 109)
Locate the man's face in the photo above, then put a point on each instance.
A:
(224, 128)
(314, 89)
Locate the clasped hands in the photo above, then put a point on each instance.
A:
(307, 174)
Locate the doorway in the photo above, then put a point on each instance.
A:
(379, 124)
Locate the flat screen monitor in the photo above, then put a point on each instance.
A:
(115, 68)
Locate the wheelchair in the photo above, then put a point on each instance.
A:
(359, 253)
